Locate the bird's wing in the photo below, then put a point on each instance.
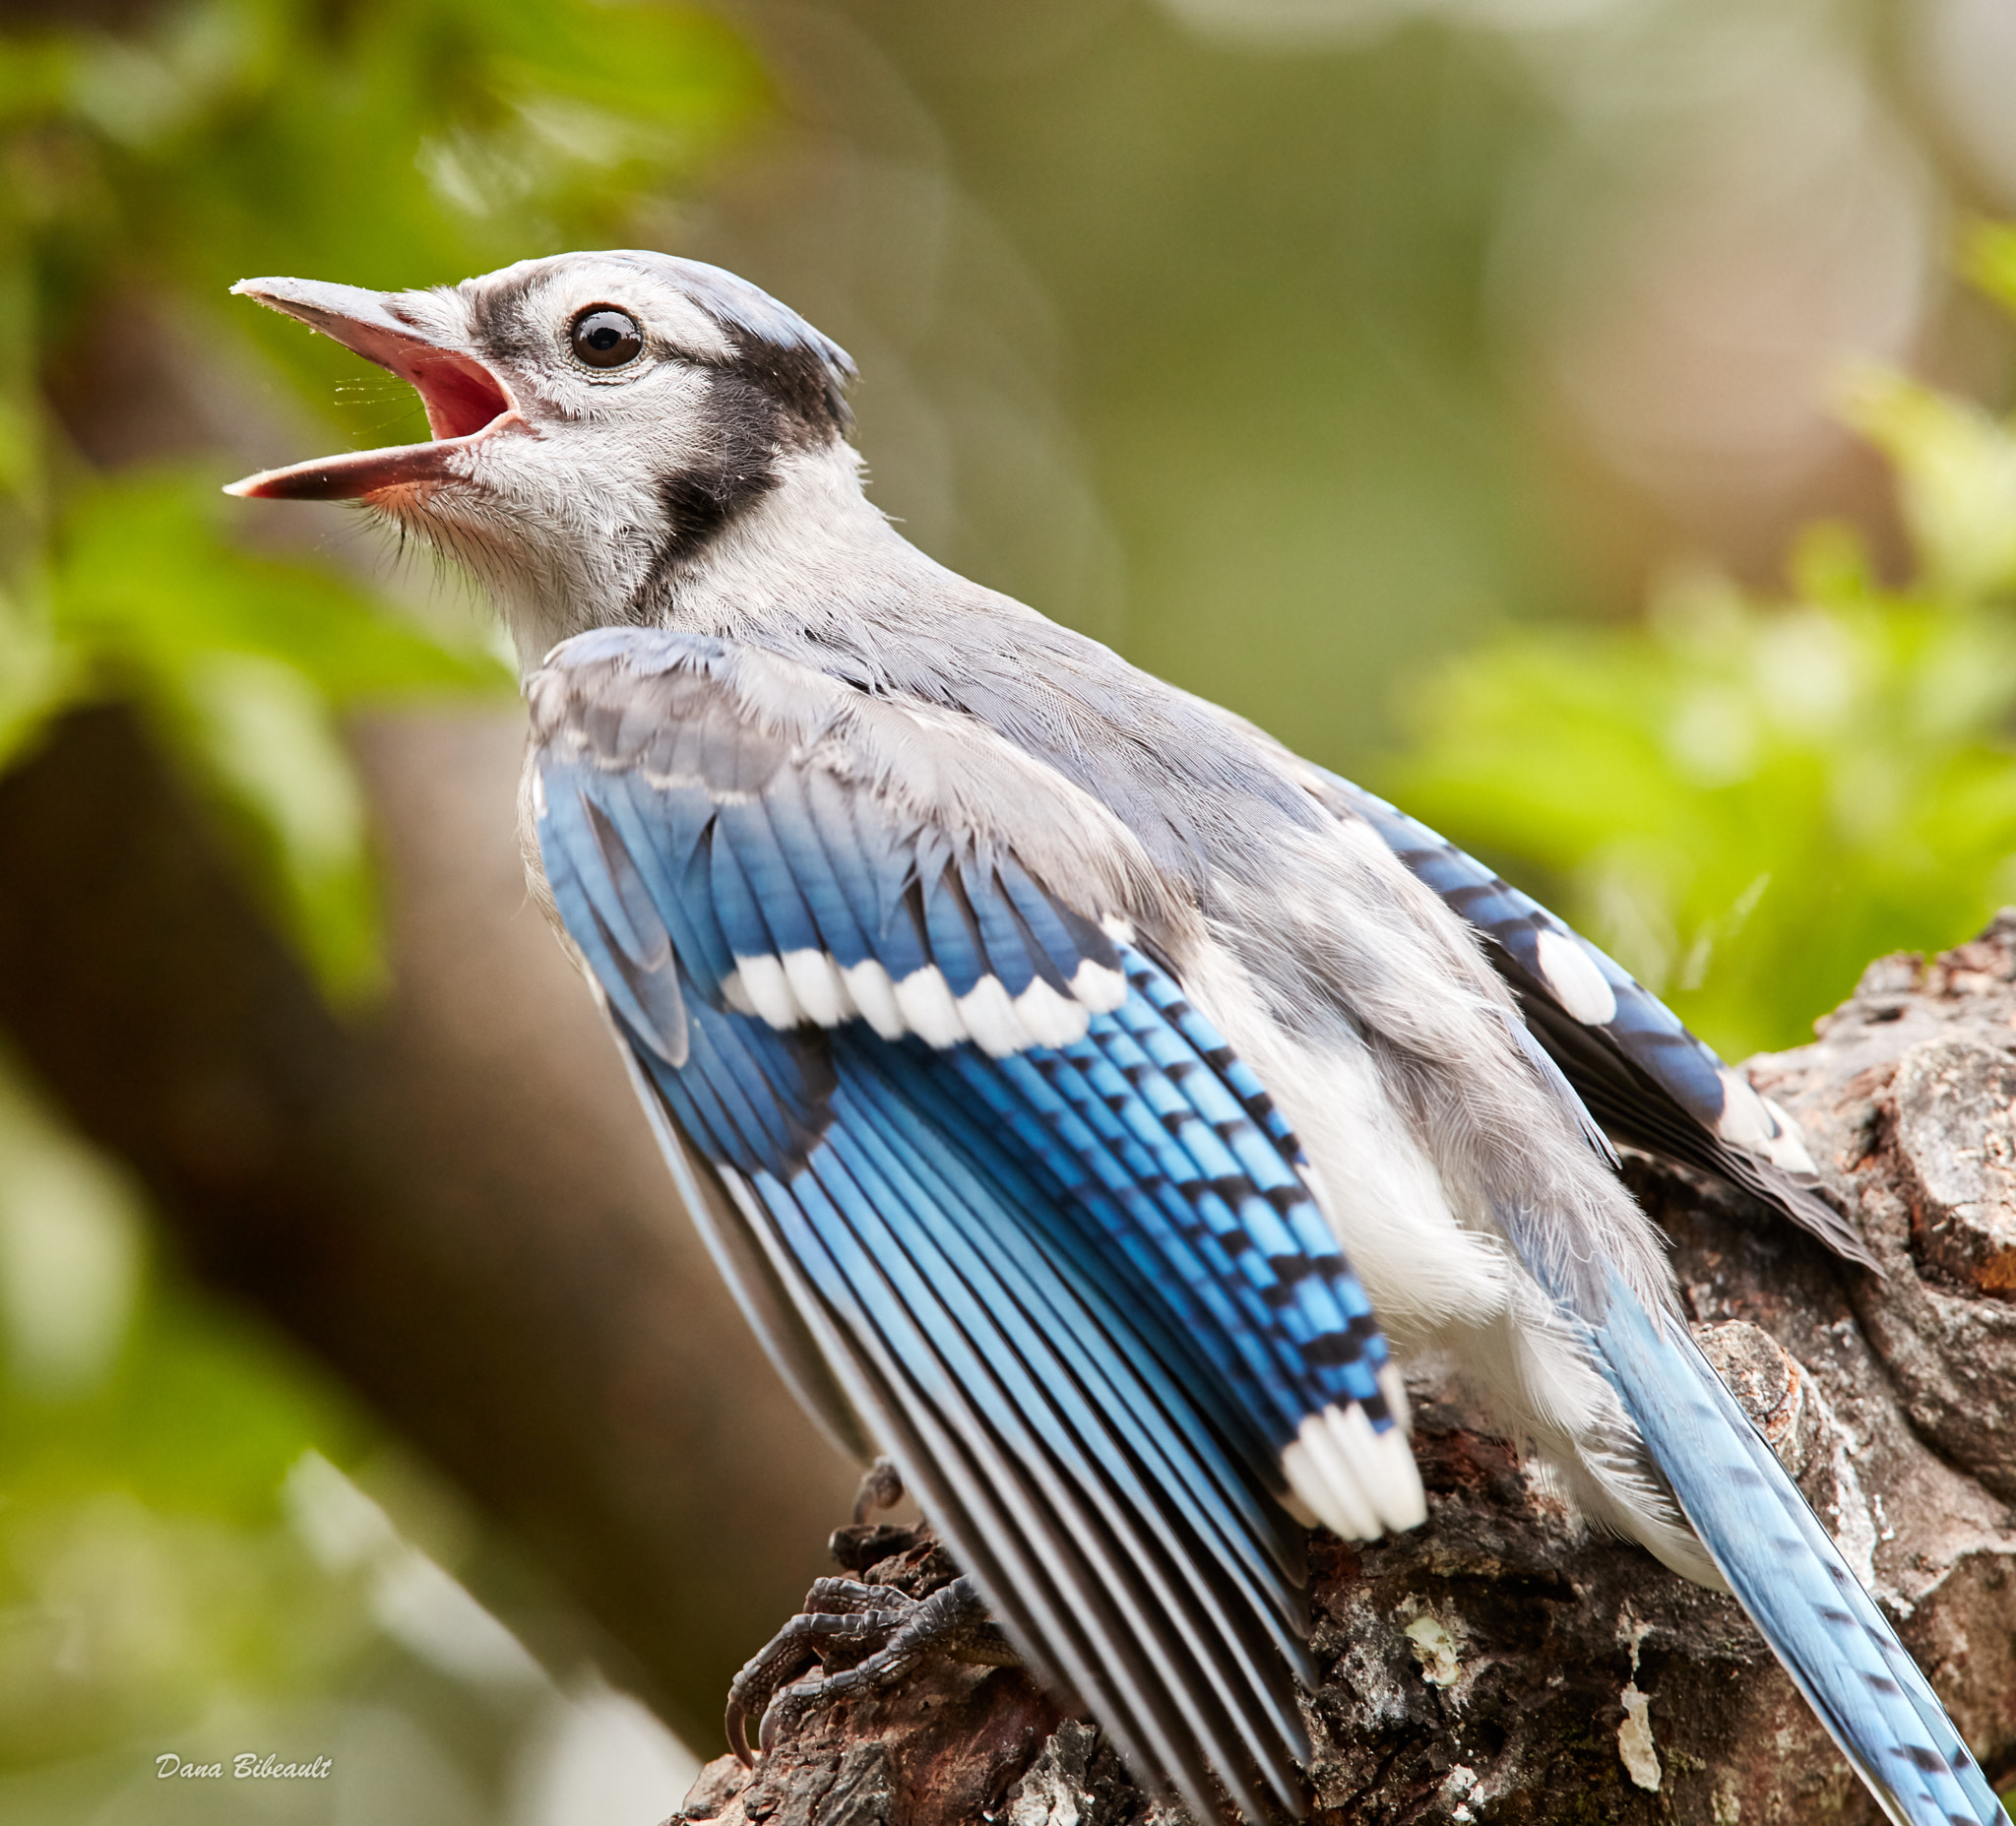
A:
(1648, 1081)
(1050, 1232)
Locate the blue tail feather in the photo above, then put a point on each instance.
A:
(1787, 1572)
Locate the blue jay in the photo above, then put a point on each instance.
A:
(1086, 1097)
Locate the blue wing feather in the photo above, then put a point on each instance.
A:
(1001, 938)
(772, 880)
(744, 918)
(1084, 1289)
(830, 818)
(1055, 951)
(664, 866)
(954, 934)
(1189, 1397)
(887, 1198)
(1048, 1383)
(633, 966)
(809, 855)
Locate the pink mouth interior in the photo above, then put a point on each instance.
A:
(463, 400)
(461, 397)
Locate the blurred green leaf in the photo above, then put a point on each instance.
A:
(1987, 256)
(147, 580)
(1956, 473)
(259, 737)
(37, 673)
(69, 1248)
(241, 663)
(1747, 799)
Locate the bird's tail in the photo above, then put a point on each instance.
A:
(1788, 1575)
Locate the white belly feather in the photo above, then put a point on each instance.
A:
(1443, 1279)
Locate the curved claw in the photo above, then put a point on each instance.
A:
(782, 1705)
(737, 1742)
(843, 1620)
(778, 1661)
(863, 1637)
(736, 1722)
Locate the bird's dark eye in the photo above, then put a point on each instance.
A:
(607, 339)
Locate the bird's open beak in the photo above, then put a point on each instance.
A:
(466, 402)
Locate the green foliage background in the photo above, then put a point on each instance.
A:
(167, 1582)
(1745, 795)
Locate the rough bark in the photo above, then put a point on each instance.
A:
(1501, 1665)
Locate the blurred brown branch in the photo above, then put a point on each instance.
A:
(1498, 1665)
(454, 1202)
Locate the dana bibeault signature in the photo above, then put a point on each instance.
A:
(247, 1765)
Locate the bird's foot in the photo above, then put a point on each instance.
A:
(863, 1638)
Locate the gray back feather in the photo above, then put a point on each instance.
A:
(1346, 947)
